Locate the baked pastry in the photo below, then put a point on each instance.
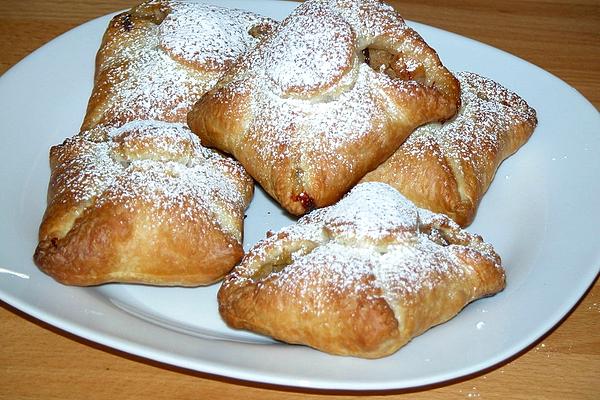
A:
(448, 167)
(142, 203)
(323, 100)
(158, 58)
(361, 277)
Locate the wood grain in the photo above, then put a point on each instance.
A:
(38, 361)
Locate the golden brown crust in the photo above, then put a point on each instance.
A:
(159, 57)
(135, 197)
(323, 100)
(143, 203)
(359, 278)
(447, 168)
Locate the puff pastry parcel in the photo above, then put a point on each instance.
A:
(158, 58)
(448, 167)
(361, 277)
(142, 203)
(326, 98)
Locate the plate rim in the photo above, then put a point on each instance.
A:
(75, 328)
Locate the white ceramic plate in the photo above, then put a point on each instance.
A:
(540, 214)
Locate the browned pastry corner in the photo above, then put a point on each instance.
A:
(158, 58)
(447, 168)
(143, 203)
(324, 99)
(360, 278)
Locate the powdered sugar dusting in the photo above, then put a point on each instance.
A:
(488, 114)
(423, 265)
(373, 238)
(309, 53)
(307, 99)
(156, 70)
(312, 79)
(208, 36)
(327, 272)
(327, 127)
(151, 165)
(79, 177)
(368, 215)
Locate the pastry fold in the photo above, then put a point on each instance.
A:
(324, 99)
(142, 203)
(158, 58)
(361, 277)
(134, 197)
(447, 168)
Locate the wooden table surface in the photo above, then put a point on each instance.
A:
(38, 361)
